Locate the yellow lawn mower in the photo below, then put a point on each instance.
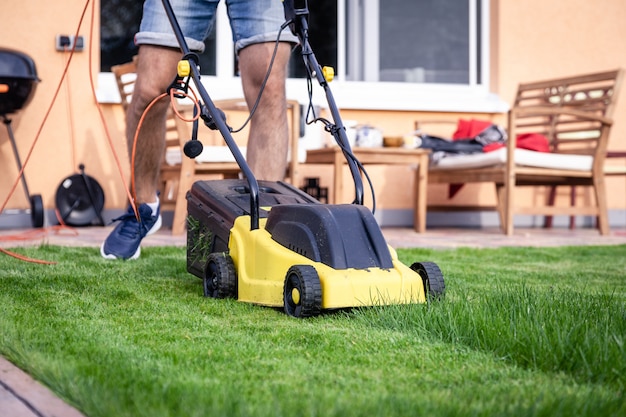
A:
(271, 244)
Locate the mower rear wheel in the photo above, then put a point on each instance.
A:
(36, 211)
(432, 277)
(302, 293)
(220, 279)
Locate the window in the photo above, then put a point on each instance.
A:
(120, 22)
(426, 41)
(323, 37)
(428, 54)
(121, 19)
(421, 41)
(410, 55)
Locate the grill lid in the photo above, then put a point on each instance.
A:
(14, 64)
(18, 79)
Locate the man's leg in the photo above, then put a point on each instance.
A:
(268, 142)
(156, 69)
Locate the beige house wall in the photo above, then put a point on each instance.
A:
(531, 40)
(72, 132)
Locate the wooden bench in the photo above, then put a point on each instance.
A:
(575, 115)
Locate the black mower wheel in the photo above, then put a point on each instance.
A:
(434, 286)
(36, 211)
(220, 279)
(302, 293)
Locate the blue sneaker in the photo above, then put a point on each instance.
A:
(124, 241)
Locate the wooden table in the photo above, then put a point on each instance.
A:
(380, 156)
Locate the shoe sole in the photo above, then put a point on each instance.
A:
(154, 229)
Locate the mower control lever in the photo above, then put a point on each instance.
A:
(193, 147)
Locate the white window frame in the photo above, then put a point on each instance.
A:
(371, 94)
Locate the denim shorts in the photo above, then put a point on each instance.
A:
(251, 21)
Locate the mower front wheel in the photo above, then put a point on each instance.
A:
(302, 293)
(220, 279)
(432, 277)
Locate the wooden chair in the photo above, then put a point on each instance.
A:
(611, 169)
(179, 172)
(574, 114)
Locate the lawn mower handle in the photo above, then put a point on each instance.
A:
(216, 117)
(297, 19)
(296, 14)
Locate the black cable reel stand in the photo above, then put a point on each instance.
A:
(80, 200)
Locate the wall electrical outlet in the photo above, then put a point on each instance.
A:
(66, 43)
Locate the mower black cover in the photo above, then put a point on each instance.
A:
(340, 236)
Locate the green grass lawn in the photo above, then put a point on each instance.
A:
(521, 332)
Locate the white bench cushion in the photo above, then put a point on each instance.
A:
(522, 157)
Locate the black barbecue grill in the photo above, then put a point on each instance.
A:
(18, 81)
